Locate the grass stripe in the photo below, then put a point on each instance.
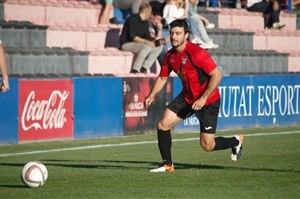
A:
(132, 143)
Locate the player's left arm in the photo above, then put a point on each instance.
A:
(215, 78)
(157, 87)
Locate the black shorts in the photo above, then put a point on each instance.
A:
(207, 116)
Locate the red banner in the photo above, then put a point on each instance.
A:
(45, 109)
(138, 119)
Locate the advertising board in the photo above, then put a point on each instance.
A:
(45, 109)
(9, 113)
(97, 107)
(253, 101)
(138, 119)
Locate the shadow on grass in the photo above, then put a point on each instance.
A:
(14, 186)
(137, 165)
(185, 166)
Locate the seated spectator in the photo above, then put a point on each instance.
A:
(106, 12)
(155, 29)
(136, 38)
(157, 5)
(128, 5)
(4, 85)
(270, 9)
(197, 27)
(133, 5)
(285, 3)
(206, 22)
(174, 9)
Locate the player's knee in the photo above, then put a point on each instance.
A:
(208, 147)
(162, 126)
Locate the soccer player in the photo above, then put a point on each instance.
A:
(200, 77)
(4, 86)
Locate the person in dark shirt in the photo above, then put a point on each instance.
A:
(155, 29)
(271, 12)
(200, 78)
(136, 38)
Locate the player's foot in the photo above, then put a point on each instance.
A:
(163, 168)
(236, 152)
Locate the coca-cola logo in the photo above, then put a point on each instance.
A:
(44, 114)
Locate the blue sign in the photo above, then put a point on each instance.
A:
(9, 114)
(253, 101)
(97, 107)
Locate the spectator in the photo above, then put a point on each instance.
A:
(206, 22)
(296, 5)
(157, 5)
(155, 28)
(285, 3)
(132, 5)
(174, 9)
(106, 12)
(197, 27)
(4, 86)
(270, 9)
(136, 38)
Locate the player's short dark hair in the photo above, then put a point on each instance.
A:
(180, 23)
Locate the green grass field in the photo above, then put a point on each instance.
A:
(119, 168)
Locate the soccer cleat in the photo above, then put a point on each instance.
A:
(163, 168)
(236, 152)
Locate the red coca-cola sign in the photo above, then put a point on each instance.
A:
(45, 109)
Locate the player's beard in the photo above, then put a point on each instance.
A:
(178, 43)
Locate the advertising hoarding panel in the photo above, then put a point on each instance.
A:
(45, 109)
(9, 113)
(97, 107)
(138, 119)
(253, 101)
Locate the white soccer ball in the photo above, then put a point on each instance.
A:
(34, 174)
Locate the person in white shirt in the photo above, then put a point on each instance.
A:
(175, 9)
(4, 86)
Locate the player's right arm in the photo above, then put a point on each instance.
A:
(158, 86)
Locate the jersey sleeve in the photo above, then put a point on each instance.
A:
(165, 68)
